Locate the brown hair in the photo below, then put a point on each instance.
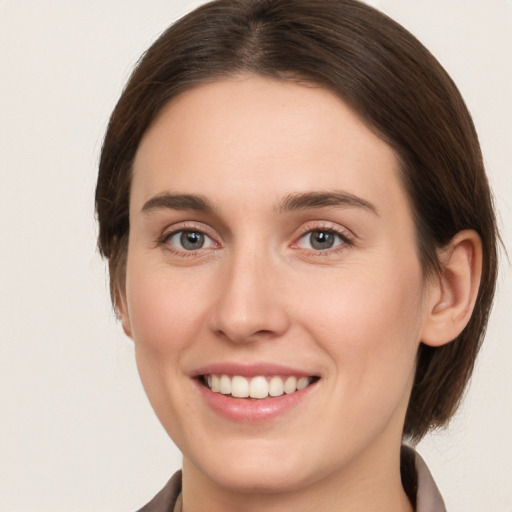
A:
(394, 84)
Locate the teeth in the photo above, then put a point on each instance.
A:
(302, 383)
(214, 384)
(276, 387)
(290, 385)
(225, 385)
(239, 387)
(257, 387)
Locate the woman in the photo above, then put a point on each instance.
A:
(302, 247)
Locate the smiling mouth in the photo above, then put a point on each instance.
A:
(258, 387)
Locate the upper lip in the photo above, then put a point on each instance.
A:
(249, 370)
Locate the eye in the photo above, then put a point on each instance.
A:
(189, 240)
(321, 240)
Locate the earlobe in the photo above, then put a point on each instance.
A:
(454, 291)
(122, 313)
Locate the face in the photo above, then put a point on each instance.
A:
(272, 253)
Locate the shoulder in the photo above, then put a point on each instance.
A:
(166, 499)
(419, 483)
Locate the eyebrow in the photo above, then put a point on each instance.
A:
(291, 202)
(313, 200)
(169, 201)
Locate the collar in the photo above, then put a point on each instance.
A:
(428, 497)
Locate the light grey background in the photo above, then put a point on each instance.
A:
(76, 432)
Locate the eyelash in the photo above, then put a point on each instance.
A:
(163, 241)
(346, 238)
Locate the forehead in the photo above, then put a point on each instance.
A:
(262, 138)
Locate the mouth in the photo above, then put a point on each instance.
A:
(258, 387)
(254, 393)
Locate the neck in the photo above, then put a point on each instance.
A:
(354, 489)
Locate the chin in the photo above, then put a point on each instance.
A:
(256, 472)
(268, 479)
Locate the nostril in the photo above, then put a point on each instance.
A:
(264, 333)
(240, 334)
(246, 311)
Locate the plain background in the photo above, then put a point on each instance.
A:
(76, 431)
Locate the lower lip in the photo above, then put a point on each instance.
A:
(253, 410)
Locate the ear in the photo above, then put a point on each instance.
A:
(452, 294)
(122, 312)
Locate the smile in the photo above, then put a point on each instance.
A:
(258, 387)
(254, 393)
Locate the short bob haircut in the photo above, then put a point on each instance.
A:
(389, 79)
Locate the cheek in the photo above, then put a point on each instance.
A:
(165, 311)
(166, 315)
(369, 323)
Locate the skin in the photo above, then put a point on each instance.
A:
(353, 315)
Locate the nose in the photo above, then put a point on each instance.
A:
(251, 302)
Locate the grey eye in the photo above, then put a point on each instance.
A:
(188, 240)
(191, 240)
(320, 240)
